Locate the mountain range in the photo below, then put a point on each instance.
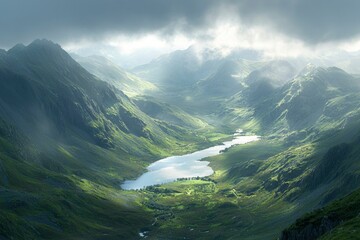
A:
(63, 132)
(73, 128)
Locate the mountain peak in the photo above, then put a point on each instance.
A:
(44, 44)
(310, 67)
(47, 55)
(17, 48)
(39, 46)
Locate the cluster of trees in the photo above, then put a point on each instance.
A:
(197, 178)
(157, 188)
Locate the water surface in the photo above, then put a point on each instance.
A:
(189, 165)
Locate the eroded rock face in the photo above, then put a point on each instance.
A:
(330, 165)
(311, 231)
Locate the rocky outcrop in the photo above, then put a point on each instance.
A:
(329, 167)
(310, 231)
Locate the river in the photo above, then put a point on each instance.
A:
(189, 165)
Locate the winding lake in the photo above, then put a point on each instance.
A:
(171, 168)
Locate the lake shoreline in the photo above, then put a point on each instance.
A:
(184, 166)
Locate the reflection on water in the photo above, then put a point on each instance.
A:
(171, 168)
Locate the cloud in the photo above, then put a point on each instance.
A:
(311, 22)
(70, 19)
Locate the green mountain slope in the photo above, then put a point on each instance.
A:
(309, 156)
(176, 71)
(338, 220)
(195, 80)
(133, 86)
(65, 96)
(55, 196)
(110, 72)
(67, 141)
(227, 79)
(259, 188)
(168, 113)
(302, 101)
(313, 99)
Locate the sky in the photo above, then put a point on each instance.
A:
(143, 29)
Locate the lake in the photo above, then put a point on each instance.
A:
(189, 165)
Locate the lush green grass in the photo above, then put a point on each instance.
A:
(39, 203)
(203, 210)
(71, 190)
(215, 207)
(87, 137)
(256, 191)
(259, 150)
(110, 72)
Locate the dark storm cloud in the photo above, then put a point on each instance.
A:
(311, 21)
(24, 20)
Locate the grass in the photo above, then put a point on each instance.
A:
(40, 204)
(257, 190)
(215, 207)
(71, 189)
(203, 210)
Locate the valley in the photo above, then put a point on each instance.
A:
(74, 129)
(185, 166)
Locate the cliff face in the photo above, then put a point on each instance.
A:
(337, 220)
(311, 231)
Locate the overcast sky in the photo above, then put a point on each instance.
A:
(128, 27)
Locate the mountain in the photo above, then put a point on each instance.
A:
(168, 113)
(227, 78)
(307, 158)
(48, 92)
(67, 141)
(134, 86)
(303, 102)
(53, 94)
(200, 80)
(177, 70)
(306, 101)
(110, 72)
(258, 80)
(263, 81)
(338, 220)
(317, 115)
(195, 80)
(184, 69)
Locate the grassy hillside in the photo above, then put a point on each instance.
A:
(58, 196)
(45, 92)
(169, 113)
(313, 101)
(257, 189)
(110, 72)
(67, 141)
